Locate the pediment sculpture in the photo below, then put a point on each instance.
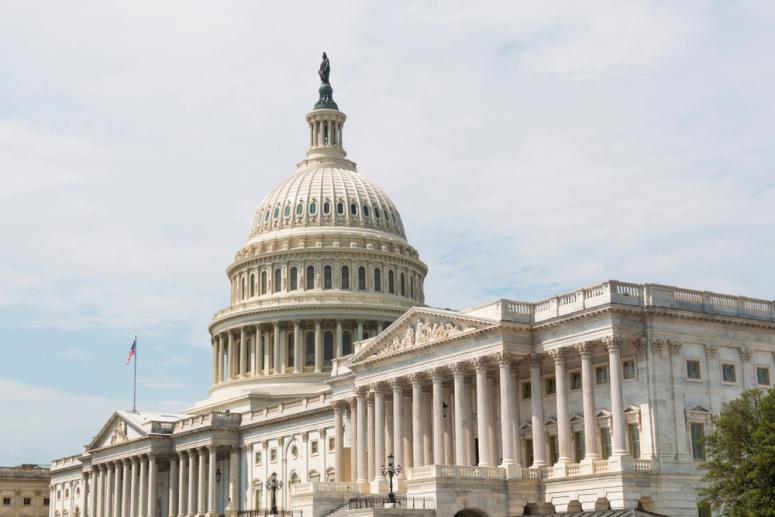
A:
(119, 434)
(422, 331)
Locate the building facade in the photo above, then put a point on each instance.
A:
(328, 361)
(24, 491)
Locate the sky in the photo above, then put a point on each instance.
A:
(532, 148)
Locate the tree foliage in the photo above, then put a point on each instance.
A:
(741, 457)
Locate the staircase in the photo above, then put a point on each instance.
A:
(339, 512)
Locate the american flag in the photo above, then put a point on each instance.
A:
(132, 351)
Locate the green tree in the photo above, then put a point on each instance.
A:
(741, 457)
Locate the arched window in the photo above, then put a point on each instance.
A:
(313, 208)
(314, 475)
(263, 282)
(411, 286)
(289, 351)
(327, 207)
(278, 274)
(391, 283)
(299, 208)
(345, 282)
(340, 208)
(377, 279)
(295, 480)
(403, 285)
(310, 277)
(294, 278)
(276, 212)
(266, 216)
(244, 288)
(327, 278)
(328, 347)
(287, 210)
(376, 212)
(362, 278)
(365, 210)
(252, 285)
(353, 209)
(347, 343)
(309, 355)
(330, 475)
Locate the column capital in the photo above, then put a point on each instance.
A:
(503, 358)
(416, 379)
(559, 355)
(612, 343)
(480, 363)
(585, 348)
(318, 321)
(711, 350)
(458, 369)
(745, 353)
(674, 346)
(396, 383)
(360, 391)
(377, 387)
(641, 345)
(338, 405)
(435, 374)
(535, 360)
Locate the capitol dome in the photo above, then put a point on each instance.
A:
(325, 266)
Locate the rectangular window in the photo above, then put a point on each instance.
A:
(698, 435)
(762, 376)
(46, 501)
(554, 452)
(272, 455)
(575, 380)
(258, 458)
(633, 436)
(526, 391)
(331, 444)
(551, 386)
(313, 447)
(728, 373)
(693, 369)
(27, 501)
(605, 441)
(529, 452)
(580, 447)
(601, 374)
(6, 501)
(628, 369)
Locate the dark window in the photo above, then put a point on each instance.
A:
(693, 369)
(345, 282)
(326, 208)
(551, 386)
(362, 278)
(377, 279)
(277, 212)
(347, 343)
(403, 285)
(327, 278)
(309, 356)
(294, 278)
(575, 380)
(27, 501)
(391, 283)
(328, 347)
(628, 369)
(365, 211)
(605, 440)
(698, 436)
(353, 209)
(601, 375)
(580, 446)
(728, 373)
(287, 210)
(299, 209)
(6, 501)
(46, 501)
(634, 439)
(263, 282)
(703, 510)
(527, 390)
(278, 274)
(529, 451)
(554, 451)
(376, 212)
(290, 351)
(252, 285)
(310, 277)
(763, 376)
(313, 208)
(340, 208)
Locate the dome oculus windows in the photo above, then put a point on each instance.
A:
(313, 208)
(310, 277)
(340, 208)
(327, 207)
(353, 209)
(365, 211)
(299, 208)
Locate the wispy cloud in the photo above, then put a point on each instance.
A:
(72, 352)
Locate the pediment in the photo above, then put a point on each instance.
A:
(117, 430)
(418, 328)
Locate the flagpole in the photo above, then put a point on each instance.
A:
(134, 384)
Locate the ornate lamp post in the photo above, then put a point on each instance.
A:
(272, 486)
(390, 470)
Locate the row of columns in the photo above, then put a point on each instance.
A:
(432, 439)
(261, 349)
(124, 487)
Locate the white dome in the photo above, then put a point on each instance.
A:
(324, 194)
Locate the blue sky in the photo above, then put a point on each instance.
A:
(532, 148)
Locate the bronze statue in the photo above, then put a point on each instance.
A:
(325, 69)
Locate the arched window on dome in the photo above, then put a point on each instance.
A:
(365, 210)
(252, 285)
(266, 216)
(340, 208)
(276, 212)
(347, 342)
(309, 349)
(294, 279)
(278, 275)
(328, 348)
(345, 281)
(289, 351)
(244, 288)
(264, 280)
(376, 212)
(353, 209)
(391, 282)
(403, 285)
(299, 208)
(362, 278)
(310, 277)
(411, 286)
(327, 278)
(287, 211)
(327, 207)
(313, 208)
(377, 279)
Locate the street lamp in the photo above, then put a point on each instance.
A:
(391, 470)
(272, 486)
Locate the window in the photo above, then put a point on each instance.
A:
(266, 216)
(340, 208)
(328, 347)
(633, 437)
(693, 370)
(347, 343)
(345, 282)
(287, 210)
(310, 277)
(295, 480)
(575, 380)
(403, 285)
(728, 373)
(290, 352)
(67, 493)
(294, 452)
(698, 435)
(278, 275)
(529, 458)
(294, 279)
(601, 374)
(313, 447)
(628, 369)
(330, 475)
(6, 501)
(376, 212)
(258, 457)
(762, 376)
(314, 475)
(313, 208)
(377, 279)
(326, 208)
(252, 285)
(353, 209)
(579, 446)
(46, 501)
(327, 278)
(605, 441)
(550, 386)
(277, 212)
(554, 452)
(263, 282)
(526, 390)
(365, 211)
(331, 444)
(273, 455)
(391, 283)
(299, 209)
(27, 501)
(309, 356)
(362, 278)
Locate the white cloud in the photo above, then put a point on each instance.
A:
(72, 352)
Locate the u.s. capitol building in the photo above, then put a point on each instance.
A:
(328, 360)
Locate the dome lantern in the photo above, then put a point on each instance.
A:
(325, 121)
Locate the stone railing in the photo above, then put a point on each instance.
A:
(324, 487)
(600, 466)
(215, 420)
(455, 472)
(314, 298)
(63, 463)
(162, 427)
(643, 465)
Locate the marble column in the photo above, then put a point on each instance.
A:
(370, 434)
(507, 443)
(482, 410)
(92, 494)
(318, 347)
(338, 441)
(172, 499)
(191, 503)
(109, 490)
(618, 442)
(362, 475)
(117, 488)
(417, 453)
(243, 347)
(230, 357)
(202, 492)
(267, 352)
(398, 437)
(219, 359)
(259, 351)
(125, 495)
(468, 423)
(588, 399)
(379, 431)
(142, 487)
(563, 416)
(339, 342)
(458, 379)
(181, 484)
(515, 420)
(438, 415)
(427, 426)
(283, 351)
(298, 351)
(99, 507)
(359, 332)
(276, 340)
(353, 439)
(212, 482)
(153, 470)
(537, 406)
(234, 477)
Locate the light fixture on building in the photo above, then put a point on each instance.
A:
(218, 476)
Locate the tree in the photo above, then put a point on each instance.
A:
(741, 457)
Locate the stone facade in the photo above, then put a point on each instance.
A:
(24, 491)
(328, 361)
